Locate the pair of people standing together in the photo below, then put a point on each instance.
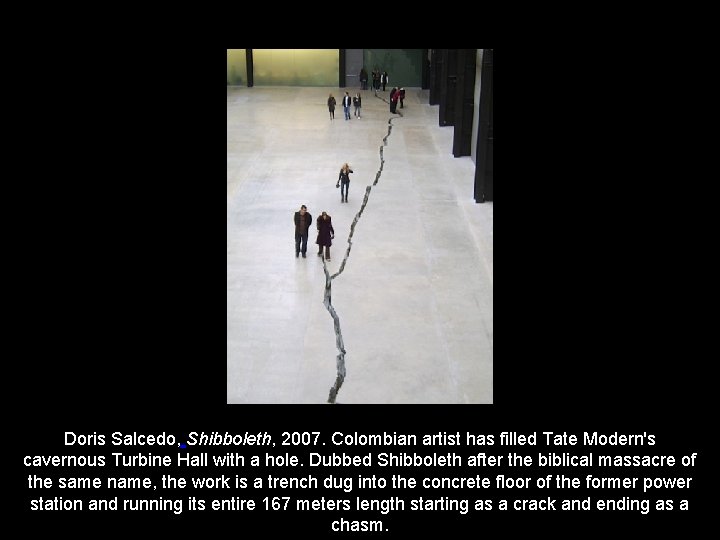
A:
(326, 233)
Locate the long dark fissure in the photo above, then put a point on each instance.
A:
(327, 300)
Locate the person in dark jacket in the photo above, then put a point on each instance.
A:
(331, 107)
(363, 78)
(376, 80)
(402, 96)
(344, 182)
(303, 220)
(384, 79)
(326, 234)
(347, 101)
(357, 101)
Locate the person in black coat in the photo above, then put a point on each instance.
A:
(357, 102)
(344, 182)
(363, 79)
(376, 80)
(331, 107)
(326, 233)
(347, 101)
(303, 220)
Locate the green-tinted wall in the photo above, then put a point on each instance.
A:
(236, 67)
(319, 67)
(404, 66)
(296, 67)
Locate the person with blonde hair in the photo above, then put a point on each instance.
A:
(344, 182)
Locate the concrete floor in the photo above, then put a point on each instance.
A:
(414, 300)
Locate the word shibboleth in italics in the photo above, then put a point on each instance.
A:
(338, 438)
(341, 440)
(194, 438)
(486, 462)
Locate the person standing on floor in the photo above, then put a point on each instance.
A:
(346, 105)
(326, 234)
(303, 220)
(357, 102)
(331, 107)
(384, 79)
(344, 182)
(363, 79)
(402, 96)
(394, 95)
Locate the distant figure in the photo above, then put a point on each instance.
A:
(363, 79)
(346, 105)
(303, 220)
(357, 102)
(331, 107)
(384, 79)
(402, 96)
(344, 181)
(326, 234)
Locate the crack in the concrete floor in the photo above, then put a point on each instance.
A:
(340, 359)
(327, 301)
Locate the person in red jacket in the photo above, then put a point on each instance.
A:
(394, 95)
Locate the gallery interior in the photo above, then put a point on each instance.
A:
(402, 310)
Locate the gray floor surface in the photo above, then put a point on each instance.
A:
(414, 300)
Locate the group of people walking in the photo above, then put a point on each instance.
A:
(325, 231)
(302, 218)
(378, 79)
(356, 101)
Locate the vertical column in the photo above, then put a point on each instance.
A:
(448, 82)
(341, 70)
(436, 60)
(249, 62)
(484, 161)
(464, 102)
(425, 69)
